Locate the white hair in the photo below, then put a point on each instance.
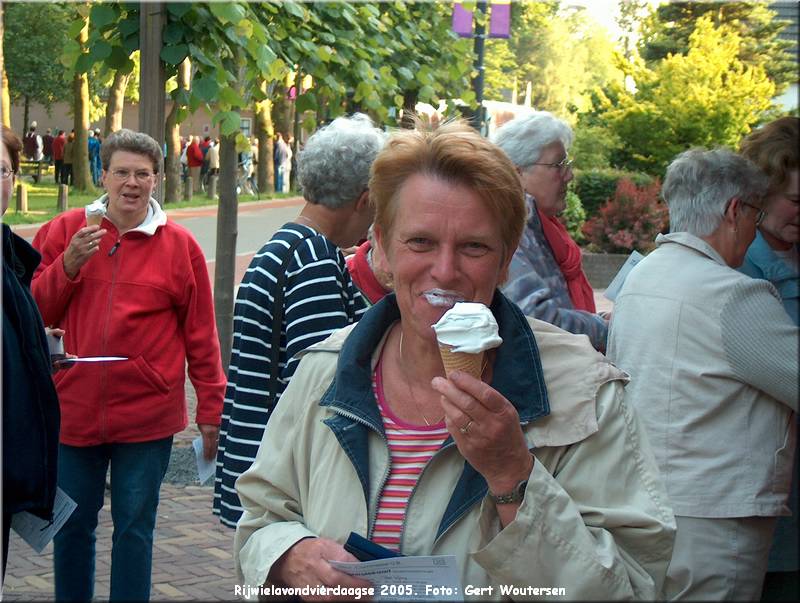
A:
(524, 137)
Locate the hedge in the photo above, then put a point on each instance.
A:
(595, 187)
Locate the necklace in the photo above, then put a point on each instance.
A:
(411, 392)
(310, 222)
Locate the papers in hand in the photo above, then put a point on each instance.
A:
(91, 359)
(205, 469)
(431, 578)
(615, 285)
(38, 532)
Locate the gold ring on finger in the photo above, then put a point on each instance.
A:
(465, 428)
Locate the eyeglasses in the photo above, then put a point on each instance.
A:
(761, 213)
(562, 166)
(5, 173)
(141, 176)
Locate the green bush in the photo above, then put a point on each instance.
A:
(593, 147)
(630, 220)
(595, 187)
(573, 216)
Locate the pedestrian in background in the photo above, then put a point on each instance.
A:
(286, 166)
(47, 142)
(295, 293)
(125, 413)
(33, 144)
(279, 155)
(712, 357)
(59, 142)
(94, 157)
(213, 159)
(194, 159)
(69, 155)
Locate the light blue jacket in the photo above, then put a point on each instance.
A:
(762, 262)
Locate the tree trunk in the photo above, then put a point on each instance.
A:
(264, 133)
(281, 112)
(116, 103)
(227, 226)
(25, 115)
(80, 86)
(409, 108)
(5, 100)
(298, 81)
(172, 162)
(152, 80)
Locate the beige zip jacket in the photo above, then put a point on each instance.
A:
(595, 518)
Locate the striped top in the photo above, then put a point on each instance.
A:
(410, 449)
(319, 298)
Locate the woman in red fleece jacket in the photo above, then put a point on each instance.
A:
(134, 286)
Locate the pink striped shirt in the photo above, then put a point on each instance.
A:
(410, 449)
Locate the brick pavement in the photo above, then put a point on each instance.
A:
(192, 554)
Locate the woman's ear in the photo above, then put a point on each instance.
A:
(732, 211)
(362, 203)
(378, 240)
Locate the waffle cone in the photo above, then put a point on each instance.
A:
(461, 361)
(94, 219)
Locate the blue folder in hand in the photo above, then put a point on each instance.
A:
(366, 550)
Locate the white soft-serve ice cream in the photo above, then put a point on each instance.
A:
(465, 333)
(95, 212)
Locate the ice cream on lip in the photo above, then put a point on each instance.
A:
(468, 328)
(441, 297)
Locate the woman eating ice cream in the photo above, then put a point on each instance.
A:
(532, 472)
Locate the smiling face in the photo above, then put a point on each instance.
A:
(781, 226)
(547, 184)
(445, 246)
(128, 197)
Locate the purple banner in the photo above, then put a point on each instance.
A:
(462, 21)
(500, 20)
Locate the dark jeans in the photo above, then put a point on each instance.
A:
(66, 173)
(136, 474)
(59, 163)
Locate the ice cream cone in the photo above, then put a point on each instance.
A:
(93, 219)
(461, 361)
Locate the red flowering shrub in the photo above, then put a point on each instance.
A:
(630, 220)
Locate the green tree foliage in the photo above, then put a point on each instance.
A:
(562, 54)
(669, 29)
(34, 34)
(428, 61)
(706, 97)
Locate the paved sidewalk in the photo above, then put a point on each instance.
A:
(192, 558)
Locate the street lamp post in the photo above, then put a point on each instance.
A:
(477, 83)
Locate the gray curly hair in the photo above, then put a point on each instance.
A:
(132, 142)
(333, 168)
